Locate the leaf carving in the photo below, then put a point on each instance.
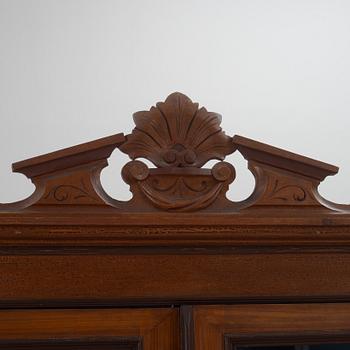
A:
(69, 193)
(176, 133)
(288, 192)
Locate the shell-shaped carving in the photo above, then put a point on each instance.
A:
(176, 133)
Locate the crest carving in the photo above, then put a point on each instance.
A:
(178, 137)
(176, 133)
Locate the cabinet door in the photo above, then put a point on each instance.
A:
(103, 329)
(272, 327)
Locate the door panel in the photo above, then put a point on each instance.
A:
(105, 329)
(272, 327)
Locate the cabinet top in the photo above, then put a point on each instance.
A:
(179, 138)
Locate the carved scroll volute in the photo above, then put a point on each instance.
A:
(282, 178)
(178, 137)
(181, 189)
(70, 176)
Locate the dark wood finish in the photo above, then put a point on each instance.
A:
(178, 241)
(224, 327)
(107, 329)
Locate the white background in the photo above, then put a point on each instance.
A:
(75, 70)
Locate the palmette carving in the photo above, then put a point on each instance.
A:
(176, 133)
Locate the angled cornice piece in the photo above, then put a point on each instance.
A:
(71, 175)
(70, 157)
(282, 177)
(279, 158)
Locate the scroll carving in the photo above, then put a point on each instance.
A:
(70, 190)
(288, 193)
(278, 187)
(62, 193)
(180, 189)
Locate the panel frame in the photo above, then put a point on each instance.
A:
(227, 326)
(134, 329)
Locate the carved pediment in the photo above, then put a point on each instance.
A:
(179, 138)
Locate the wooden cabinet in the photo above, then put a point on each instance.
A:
(179, 266)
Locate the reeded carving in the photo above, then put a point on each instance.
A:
(176, 133)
